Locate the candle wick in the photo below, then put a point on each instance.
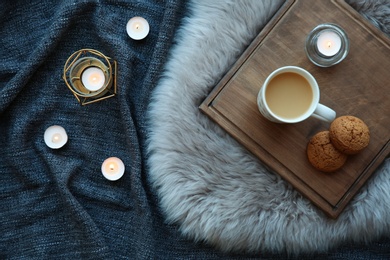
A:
(329, 44)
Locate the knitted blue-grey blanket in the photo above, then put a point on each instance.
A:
(56, 203)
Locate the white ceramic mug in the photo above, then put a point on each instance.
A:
(292, 88)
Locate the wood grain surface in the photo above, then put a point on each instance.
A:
(358, 86)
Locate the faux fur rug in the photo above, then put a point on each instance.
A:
(212, 187)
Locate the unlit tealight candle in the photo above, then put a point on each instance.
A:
(93, 78)
(113, 168)
(55, 137)
(137, 28)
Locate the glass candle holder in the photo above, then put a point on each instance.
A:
(90, 75)
(327, 45)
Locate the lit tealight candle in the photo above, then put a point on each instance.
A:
(328, 43)
(137, 28)
(55, 137)
(93, 78)
(113, 168)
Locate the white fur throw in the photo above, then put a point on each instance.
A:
(212, 187)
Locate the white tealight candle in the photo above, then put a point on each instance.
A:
(93, 78)
(328, 43)
(113, 168)
(55, 137)
(137, 28)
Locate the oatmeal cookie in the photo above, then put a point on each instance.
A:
(349, 134)
(323, 155)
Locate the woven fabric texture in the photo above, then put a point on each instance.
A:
(56, 203)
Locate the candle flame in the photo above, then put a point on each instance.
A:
(111, 166)
(329, 44)
(95, 78)
(56, 138)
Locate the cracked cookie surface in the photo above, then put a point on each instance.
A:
(349, 134)
(323, 155)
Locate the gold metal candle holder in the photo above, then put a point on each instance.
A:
(81, 60)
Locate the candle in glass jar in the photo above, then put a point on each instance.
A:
(328, 43)
(55, 137)
(113, 168)
(93, 78)
(137, 28)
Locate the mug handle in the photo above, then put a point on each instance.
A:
(324, 113)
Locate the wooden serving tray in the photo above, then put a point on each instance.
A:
(358, 86)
